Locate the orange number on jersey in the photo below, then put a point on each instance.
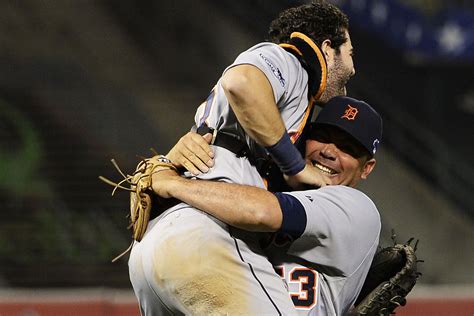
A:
(307, 280)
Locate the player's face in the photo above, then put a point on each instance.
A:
(336, 154)
(340, 68)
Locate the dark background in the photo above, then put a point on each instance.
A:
(85, 81)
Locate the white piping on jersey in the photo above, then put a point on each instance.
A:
(208, 105)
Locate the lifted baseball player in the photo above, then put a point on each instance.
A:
(191, 263)
(325, 238)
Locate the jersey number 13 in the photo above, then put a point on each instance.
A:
(306, 281)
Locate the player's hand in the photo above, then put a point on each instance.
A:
(310, 175)
(193, 153)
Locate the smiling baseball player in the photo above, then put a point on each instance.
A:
(326, 238)
(191, 263)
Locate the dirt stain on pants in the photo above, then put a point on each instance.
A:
(203, 273)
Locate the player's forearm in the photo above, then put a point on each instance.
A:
(251, 97)
(245, 207)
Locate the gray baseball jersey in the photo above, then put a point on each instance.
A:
(290, 89)
(325, 267)
(191, 263)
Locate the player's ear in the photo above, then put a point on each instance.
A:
(368, 167)
(327, 50)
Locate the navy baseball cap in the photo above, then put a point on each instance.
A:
(355, 117)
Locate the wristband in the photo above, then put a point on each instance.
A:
(286, 156)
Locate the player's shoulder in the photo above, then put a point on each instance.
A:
(345, 190)
(338, 197)
(271, 52)
(350, 197)
(356, 206)
(265, 46)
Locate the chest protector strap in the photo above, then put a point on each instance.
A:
(312, 60)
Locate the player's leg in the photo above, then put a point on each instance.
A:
(190, 260)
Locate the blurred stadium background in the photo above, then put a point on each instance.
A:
(84, 81)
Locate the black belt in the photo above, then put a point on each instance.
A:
(230, 142)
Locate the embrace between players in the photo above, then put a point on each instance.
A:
(230, 246)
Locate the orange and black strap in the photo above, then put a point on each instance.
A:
(312, 60)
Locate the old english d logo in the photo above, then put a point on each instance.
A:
(350, 113)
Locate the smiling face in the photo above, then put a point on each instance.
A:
(336, 154)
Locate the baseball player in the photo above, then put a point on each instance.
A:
(191, 263)
(325, 238)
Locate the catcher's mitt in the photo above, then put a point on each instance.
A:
(140, 193)
(391, 277)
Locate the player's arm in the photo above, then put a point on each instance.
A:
(241, 206)
(251, 97)
(245, 207)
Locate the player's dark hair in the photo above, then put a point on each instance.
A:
(319, 20)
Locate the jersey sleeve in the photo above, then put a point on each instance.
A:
(342, 223)
(272, 61)
(293, 214)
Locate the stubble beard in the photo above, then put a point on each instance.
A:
(336, 81)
